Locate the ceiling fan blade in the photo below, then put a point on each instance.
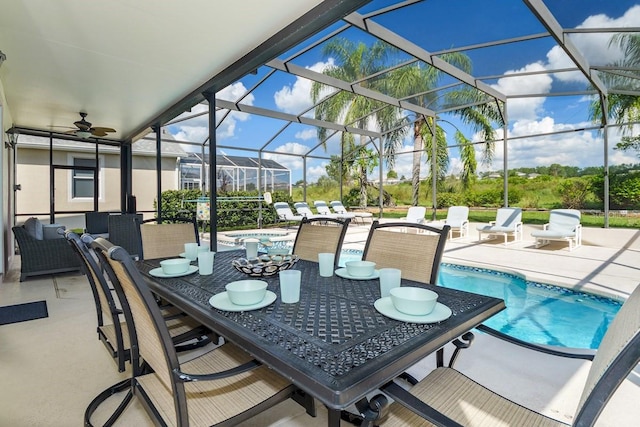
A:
(102, 129)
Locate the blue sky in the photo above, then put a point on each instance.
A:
(503, 19)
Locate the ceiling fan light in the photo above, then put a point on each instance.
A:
(84, 134)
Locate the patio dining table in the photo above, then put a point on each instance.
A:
(333, 343)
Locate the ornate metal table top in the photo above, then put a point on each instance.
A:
(333, 343)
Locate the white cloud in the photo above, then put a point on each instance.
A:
(291, 159)
(524, 108)
(196, 128)
(594, 47)
(307, 134)
(297, 97)
(579, 149)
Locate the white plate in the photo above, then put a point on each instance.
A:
(221, 301)
(157, 272)
(342, 272)
(385, 306)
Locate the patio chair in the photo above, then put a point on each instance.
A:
(112, 329)
(447, 397)
(508, 222)
(124, 231)
(417, 255)
(416, 214)
(283, 210)
(166, 237)
(224, 386)
(339, 208)
(302, 208)
(43, 256)
(97, 224)
(564, 225)
(317, 235)
(323, 209)
(457, 220)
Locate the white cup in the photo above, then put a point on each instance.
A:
(290, 286)
(389, 279)
(205, 262)
(326, 261)
(251, 246)
(191, 251)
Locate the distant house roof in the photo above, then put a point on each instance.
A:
(236, 161)
(143, 147)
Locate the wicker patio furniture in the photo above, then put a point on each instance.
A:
(47, 256)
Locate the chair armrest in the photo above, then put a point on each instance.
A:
(245, 367)
(492, 223)
(540, 348)
(546, 226)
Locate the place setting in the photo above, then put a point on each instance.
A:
(178, 267)
(408, 303)
(358, 270)
(243, 295)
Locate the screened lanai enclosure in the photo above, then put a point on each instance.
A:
(436, 94)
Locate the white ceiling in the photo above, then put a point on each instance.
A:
(124, 62)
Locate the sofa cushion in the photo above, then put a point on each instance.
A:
(34, 228)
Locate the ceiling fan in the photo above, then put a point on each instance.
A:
(85, 130)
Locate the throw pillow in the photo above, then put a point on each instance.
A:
(34, 228)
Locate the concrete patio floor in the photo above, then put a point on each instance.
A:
(52, 368)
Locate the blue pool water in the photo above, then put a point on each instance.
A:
(537, 313)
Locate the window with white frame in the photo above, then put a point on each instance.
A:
(82, 186)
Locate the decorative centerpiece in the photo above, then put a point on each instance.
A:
(265, 265)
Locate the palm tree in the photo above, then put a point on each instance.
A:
(415, 79)
(354, 63)
(624, 109)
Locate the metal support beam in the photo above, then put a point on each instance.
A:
(158, 132)
(213, 188)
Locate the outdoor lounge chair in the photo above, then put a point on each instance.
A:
(457, 219)
(339, 208)
(416, 214)
(283, 210)
(564, 225)
(323, 209)
(302, 208)
(317, 235)
(224, 386)
(508, 223)
(447, 397)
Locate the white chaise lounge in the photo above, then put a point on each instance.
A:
(339, 208)
(457, 219)
(283, 210)
(323, 209)
(563, 225)
(508, 223)
(302, 208)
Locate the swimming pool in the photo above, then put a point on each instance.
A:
(536, 312)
